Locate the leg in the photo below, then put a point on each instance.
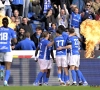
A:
(81, 77)
(43, 67)
(72, 68)
(26, 8)
(9, 11)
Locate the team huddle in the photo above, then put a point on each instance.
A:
(67, 57)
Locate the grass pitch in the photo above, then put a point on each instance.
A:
(49, 88)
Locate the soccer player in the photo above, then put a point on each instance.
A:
(44, 57)
(75, 59)
(6, 34)
(61, 56)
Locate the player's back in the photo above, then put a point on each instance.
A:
(44, 50)
(6, 34)
(60, 42)
(75, 45)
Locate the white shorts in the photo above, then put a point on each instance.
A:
(61, 61)
(6, 57)
(43, 64)
(75, 60)
(49, 66)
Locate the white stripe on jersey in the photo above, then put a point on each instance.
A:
(45, 53)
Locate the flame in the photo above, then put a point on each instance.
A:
(11, 24)
(90, 29)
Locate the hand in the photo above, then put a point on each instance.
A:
(13, 47)
(55, 5)
(64, 5)
(69, 46)
(59, 48)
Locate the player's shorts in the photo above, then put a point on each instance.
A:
(62, 61)
(75, 60)
(49, 66)
(6, 57)
(43, 64)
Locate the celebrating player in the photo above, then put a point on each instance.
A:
(75, 59)
(6, 34)
(61, 56)
(44, 57)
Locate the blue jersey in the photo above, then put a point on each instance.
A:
(26, 44)
(44, 50)
(60, 42)
(6, 34)
(75, 45)
(65, 35)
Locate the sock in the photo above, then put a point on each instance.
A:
(66, 78)
(82, 77)
(73, 75)
(44, 77)
(7, 75)
(40, 74)
(40, 80)
(59, 75)
(79, 75)
(2, 67)
(62, 75)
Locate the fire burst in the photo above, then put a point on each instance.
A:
(90, 29)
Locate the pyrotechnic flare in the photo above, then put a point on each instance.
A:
(90, 29)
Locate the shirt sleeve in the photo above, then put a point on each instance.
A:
(18, 46)
(13, 34)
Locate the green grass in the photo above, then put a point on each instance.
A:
(49, 88)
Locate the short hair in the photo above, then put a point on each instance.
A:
(59, 31)
(45, 33)
(61, 27)
(71, 30)
(38, 28)
(27, 34)
(5, 22)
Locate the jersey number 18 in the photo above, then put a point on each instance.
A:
(3, 36)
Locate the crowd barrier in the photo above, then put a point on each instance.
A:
(24, 69)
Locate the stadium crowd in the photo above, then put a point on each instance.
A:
(36, 16)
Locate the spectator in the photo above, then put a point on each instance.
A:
(75, 21)
(18, 5)
(53, 28)
(36, 36)
(2, 10)
(26, 44)
(16, 15)
(26, 26)
(36, 9)
(88, 13)
(21, 35)
(97, 17)
(50, 17)
(80, 4)
(25, 7)
(63, 17)
(8, 9)
(12, 18)
(96, 5)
